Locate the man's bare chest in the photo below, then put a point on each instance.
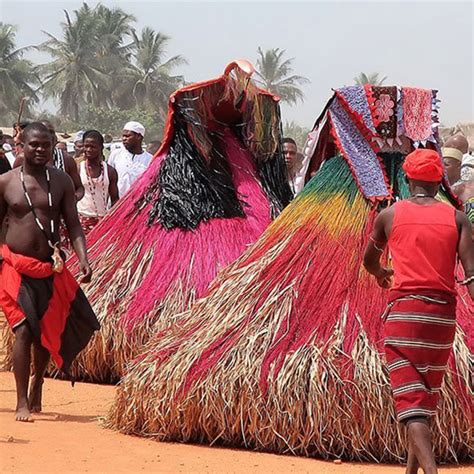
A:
(19, 205)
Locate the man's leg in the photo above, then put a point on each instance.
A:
(412, 462)
(40, 361)
(419, 438)
(21, 369)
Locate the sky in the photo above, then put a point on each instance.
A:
(424, 44)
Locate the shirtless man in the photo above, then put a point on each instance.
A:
(42, 302)
(60, 160)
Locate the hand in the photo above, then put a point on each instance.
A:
(384, 278)
(86, 272)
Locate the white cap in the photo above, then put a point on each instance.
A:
(135, 127)
(7, 147)
(79, 136)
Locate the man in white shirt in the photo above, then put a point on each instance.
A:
(130, 161)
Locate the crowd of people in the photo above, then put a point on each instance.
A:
(459, 165)
(99, 177)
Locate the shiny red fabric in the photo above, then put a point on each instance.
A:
(52, 304)
(424, 165)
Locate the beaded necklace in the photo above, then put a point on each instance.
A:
(56, 257)
(93, 185)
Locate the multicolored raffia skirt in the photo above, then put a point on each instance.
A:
(419, 333)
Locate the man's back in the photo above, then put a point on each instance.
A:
(423, 245)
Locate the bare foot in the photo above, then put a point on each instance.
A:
(35, 396)
(23, 414)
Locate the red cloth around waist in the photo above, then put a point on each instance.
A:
(28, 266)
(418, 339)
(63, 291)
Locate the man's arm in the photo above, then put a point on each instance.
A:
(375, 249)
(76, 234)
(71, 169)
(466, 248)
(3, 205)
(113, 188)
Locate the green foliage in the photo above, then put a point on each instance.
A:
(101, 60)
(103, 72)
(16, 77)
(106, 120)
(373, 79)
(111, 121)
(297, 132)
(274, 73)
(148, 82)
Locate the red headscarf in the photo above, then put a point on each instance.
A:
(424, 165)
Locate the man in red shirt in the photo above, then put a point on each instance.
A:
(424, 238)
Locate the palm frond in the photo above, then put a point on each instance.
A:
(274, 73)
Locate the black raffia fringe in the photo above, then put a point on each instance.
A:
(274, 180)
(191, 190)
(272, 169)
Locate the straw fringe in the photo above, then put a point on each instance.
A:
(309, 409)
(284, 353)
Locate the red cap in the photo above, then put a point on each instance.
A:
(424, 165)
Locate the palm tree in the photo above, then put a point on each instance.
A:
(275, 75)
(114, 46)
(114, 26)
(149, 78)
(17, 79)
(372, 79)
(75, 75)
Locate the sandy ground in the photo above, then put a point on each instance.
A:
(68, 437)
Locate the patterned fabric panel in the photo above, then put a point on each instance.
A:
(356, 98)
(358, 152)
(385, 110)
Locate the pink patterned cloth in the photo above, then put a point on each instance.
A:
(384, 108)
(417, 108)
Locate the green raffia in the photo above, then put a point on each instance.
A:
(334, 177)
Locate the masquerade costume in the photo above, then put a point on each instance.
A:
(284, 353)
(210, 191)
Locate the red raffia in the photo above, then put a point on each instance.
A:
(285, 351)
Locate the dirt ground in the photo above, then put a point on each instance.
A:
(68, 437)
